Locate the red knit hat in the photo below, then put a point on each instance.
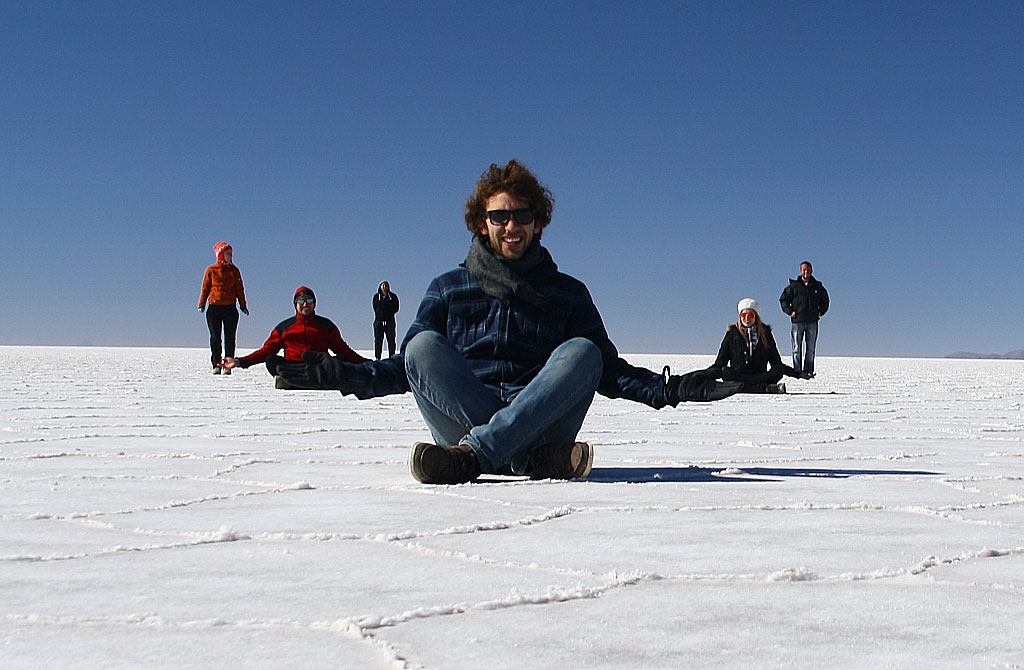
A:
(303, 291)
(219, 249)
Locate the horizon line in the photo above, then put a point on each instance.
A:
(957, 355)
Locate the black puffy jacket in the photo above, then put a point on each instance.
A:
(809, 301)
(735, 354)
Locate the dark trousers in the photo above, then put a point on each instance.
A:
(217, 317)
(380, 329)
(753, 383)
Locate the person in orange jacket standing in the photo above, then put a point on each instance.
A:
(222, 286)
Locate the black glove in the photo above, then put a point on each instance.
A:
(319, 370)
(698, 386)
(273, 360)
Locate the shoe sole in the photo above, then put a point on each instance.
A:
(583, 468)
(415, 457)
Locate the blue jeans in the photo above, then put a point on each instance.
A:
(800, 332)
(501, 424)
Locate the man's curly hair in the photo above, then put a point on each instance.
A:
(512, 178)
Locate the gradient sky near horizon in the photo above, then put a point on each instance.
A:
(697, 153)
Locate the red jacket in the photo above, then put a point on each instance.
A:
(299, 334)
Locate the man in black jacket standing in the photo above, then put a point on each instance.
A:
(385, 306)
(805, 300)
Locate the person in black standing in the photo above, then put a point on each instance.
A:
(385, 306)
(805, 300)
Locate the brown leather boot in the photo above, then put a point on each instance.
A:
(432, 464)
(561, 461)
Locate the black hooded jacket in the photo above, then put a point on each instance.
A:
(385, 307)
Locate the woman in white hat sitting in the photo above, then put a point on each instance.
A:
(749, 355)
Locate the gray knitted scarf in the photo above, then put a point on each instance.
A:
(502, 278)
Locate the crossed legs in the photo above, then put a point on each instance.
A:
(459, 408)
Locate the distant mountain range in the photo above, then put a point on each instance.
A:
(1017, 354)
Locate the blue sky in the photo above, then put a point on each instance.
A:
(697, 153)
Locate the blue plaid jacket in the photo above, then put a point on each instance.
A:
(506, 344)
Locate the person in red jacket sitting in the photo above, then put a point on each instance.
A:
(306, 331)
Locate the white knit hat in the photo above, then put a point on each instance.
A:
(748, 303)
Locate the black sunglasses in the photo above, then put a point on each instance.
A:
(500, 217)
(305, 301)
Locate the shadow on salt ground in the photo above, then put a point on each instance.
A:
(695, 474)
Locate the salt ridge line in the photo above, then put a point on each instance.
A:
(155, 621)
(944, 512)
(792, 574)
(577, 573)
(223, 535)
(227, 534)
(988, 478)
(271, 437)
(122, 454)
(515, 599)
(156, 508)
(224, 475)
(786, 574)
(211, 479)
(898, 456)
(987, 434)
(271, 488)
(802, 574)
(219, 456)
(363, 624)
